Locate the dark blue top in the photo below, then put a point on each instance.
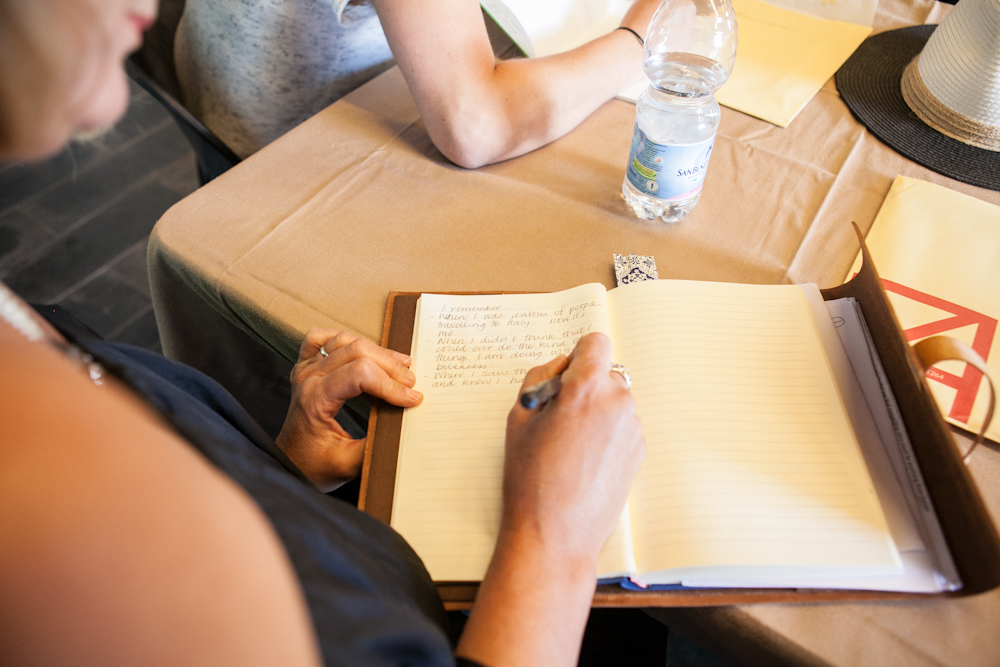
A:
(370, 597)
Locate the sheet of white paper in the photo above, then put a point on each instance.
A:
(874, 384)
(553, 26)
(891, 496)
(508, 22)
(632, 93)
(918, 577)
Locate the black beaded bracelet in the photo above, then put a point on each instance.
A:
(641, 43)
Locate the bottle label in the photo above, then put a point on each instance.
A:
(667, 171)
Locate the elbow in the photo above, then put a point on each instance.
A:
(468, 157)
(465, 147)
(473, 138)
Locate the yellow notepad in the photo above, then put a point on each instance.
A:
(783, 59)
(938, 253)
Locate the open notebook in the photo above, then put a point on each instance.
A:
(753, 474)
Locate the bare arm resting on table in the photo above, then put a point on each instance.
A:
(478, 111)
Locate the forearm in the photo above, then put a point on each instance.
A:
(568, 467)
(537, 101)
(478, 111)
(532, 606)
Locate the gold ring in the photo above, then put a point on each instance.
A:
(623, 371)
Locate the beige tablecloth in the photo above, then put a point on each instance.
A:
(318, 227)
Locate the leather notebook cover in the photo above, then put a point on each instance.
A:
(966, 523)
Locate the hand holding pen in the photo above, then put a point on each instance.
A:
(568, 467)
(539, 394)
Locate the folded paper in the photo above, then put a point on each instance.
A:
(784, 58)
(937, 252)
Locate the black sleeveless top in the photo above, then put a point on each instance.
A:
(369, 595)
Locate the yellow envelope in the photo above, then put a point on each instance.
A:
(937, 252)
(783, 59)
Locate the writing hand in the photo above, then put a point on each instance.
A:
(311, 436)
(569, 465)
(567, 471)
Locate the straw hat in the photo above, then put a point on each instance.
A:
(934, 94)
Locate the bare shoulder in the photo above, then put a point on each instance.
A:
(121, 543)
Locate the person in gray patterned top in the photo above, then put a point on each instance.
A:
(254, 69)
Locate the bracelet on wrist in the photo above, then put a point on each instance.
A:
(641, 42)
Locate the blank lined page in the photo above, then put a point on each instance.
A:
(751, 463)
(471, 356)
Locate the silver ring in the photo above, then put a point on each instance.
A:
(322, 351)
(623, 371)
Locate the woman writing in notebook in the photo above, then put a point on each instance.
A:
(252, 71)
(146, 519)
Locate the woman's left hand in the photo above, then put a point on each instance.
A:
(311, 436)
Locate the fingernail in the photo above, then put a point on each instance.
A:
(409, 376)
(404, 359)
(413, 394)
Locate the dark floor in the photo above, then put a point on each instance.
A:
(73, 231)
(630, 638)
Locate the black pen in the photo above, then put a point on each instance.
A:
(539, 394)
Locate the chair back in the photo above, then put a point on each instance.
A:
(152, 67)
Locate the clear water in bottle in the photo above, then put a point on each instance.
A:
(689, 53)
(671, 144)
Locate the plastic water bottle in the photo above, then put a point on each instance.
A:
(689, 53)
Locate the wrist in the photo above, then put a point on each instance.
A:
(550, 532)
(553, 557)
(308, 453)
(288, 442)
(532, 605)
(634, 34)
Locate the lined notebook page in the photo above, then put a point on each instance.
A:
(471, 354)
(751, 463)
